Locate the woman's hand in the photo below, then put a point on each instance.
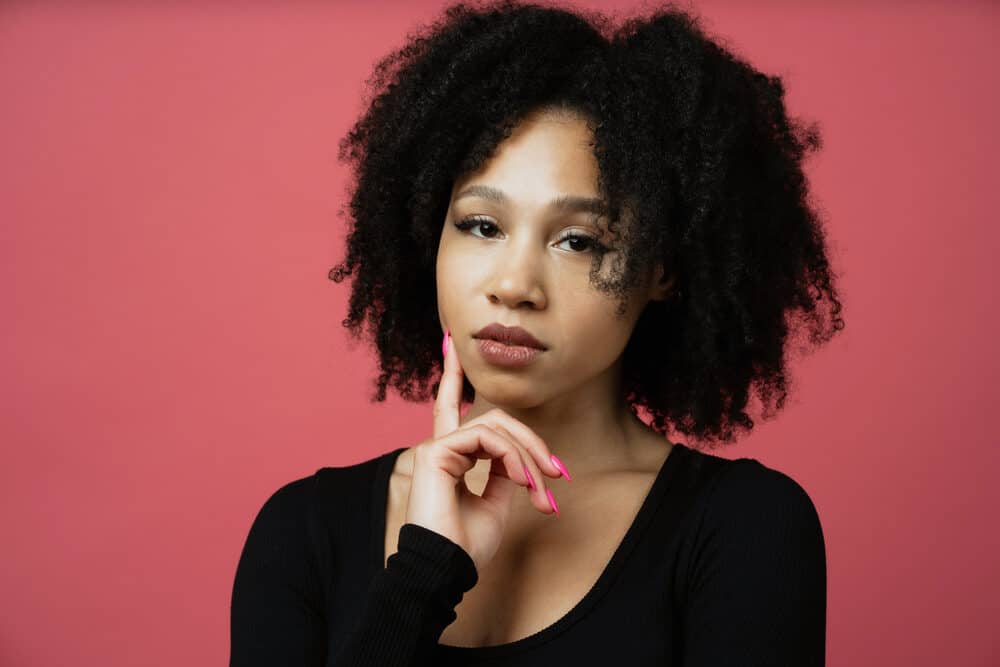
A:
(439, 498)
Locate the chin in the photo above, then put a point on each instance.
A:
(508, 393)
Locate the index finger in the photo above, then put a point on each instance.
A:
(447, 417)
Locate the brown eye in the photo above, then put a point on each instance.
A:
(584, 242)
(588, 243)
(475, 221)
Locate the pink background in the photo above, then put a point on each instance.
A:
(172, 350)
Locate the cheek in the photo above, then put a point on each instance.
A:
(455, 279)
(591, 331)
(459, 271)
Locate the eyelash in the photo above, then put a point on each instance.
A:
(594, 245)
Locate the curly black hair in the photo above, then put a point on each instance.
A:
(695, 150)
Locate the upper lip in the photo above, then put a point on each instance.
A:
(509, 335)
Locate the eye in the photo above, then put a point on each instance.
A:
(474, 221)
(589, 243)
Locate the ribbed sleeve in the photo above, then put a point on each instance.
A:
(277, 607)
(410, 602)
(756, 594)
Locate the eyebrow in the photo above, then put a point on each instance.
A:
(568, 203)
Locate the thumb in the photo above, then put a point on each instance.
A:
(500, 488)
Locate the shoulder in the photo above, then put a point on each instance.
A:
(748, 487)
(294, 505)
(345, 488)
(282, 519)
(754, 581)
(752, 510)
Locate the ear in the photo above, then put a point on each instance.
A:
(662, 284)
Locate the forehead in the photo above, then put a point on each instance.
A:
(548, 154)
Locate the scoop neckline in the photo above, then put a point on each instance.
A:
(604, 581)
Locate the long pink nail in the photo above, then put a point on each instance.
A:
(531, 481)
(444, 343)
(552, 501)
(562, 468)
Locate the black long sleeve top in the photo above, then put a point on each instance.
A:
(724, 564)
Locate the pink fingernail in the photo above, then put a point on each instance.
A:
(562, 468)
(531, 481)
(552, 501)
(444, 343)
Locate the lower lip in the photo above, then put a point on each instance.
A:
(512, 356)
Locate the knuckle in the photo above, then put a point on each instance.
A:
(507, 434)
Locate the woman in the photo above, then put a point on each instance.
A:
(605, 219)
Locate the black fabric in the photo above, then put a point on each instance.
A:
(724, 564)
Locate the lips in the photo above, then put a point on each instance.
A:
(509, 335)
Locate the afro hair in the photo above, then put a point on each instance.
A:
(694, 148)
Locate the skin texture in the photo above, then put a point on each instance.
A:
(516, 267)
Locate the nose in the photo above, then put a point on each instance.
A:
(516, 277)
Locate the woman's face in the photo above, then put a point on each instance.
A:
(518, 263)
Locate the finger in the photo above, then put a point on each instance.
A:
(537, 486)
(447, 417)
(537, 449)
(473, 440)
(499, 488)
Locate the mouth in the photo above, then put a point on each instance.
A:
(510, 356)
(509, 336)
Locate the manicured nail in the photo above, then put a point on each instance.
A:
(444, 343)
(552, 501)
(562, 468)
(531, 481)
